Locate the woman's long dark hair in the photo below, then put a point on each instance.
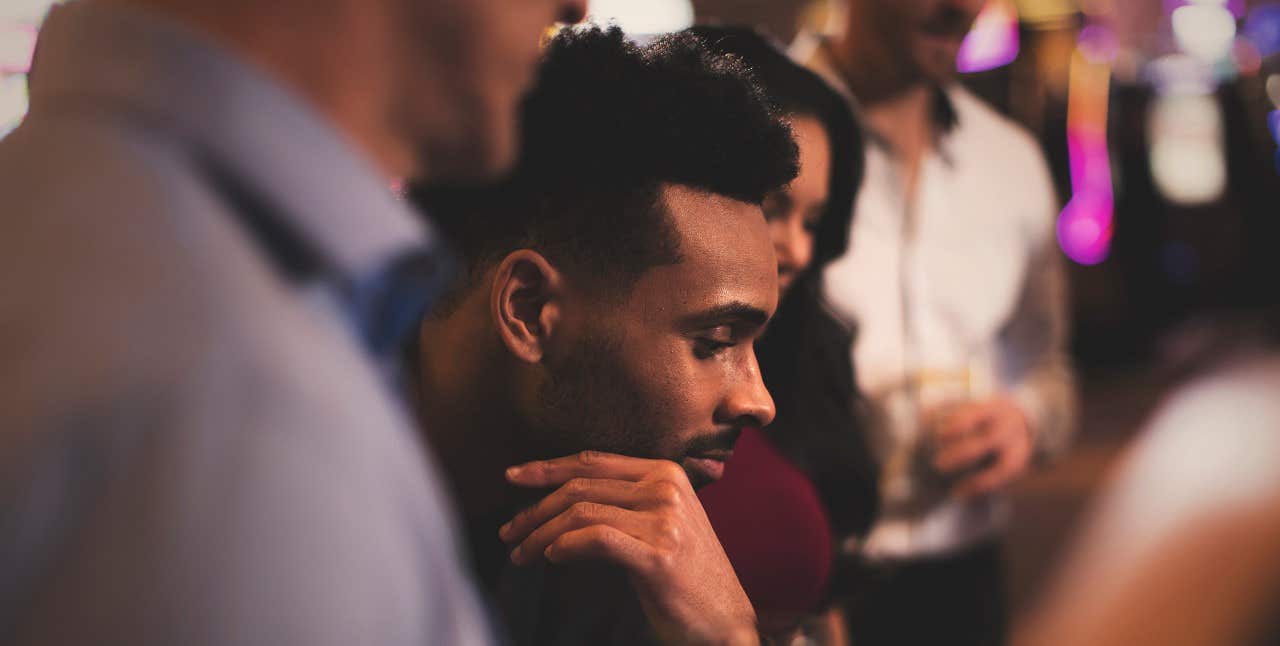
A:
(805, 354)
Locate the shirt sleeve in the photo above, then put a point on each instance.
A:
(1033, 344)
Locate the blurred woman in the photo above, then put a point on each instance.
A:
(794, 492)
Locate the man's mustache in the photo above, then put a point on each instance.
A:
(713, 442)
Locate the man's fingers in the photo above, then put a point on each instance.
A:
(618, 493)
(1011, 460)
(963, 453)
(599, 542)
(587, 464)
(987, 480)
(959, 423)
(577, 516)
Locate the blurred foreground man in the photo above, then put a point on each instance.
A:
(955, 288)
(204, 287)
(616, 283)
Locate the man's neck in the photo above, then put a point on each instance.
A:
(474, 432)
(293, 43)
(897, 108)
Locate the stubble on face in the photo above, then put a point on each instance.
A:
(590, 402)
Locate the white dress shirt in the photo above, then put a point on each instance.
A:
(956, 293)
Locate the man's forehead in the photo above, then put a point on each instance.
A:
(727, 255)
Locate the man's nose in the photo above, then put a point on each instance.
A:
(749, 402)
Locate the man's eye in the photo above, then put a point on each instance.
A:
(705, 348)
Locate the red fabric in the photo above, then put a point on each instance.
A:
(773, 527)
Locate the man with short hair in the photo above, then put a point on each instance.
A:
(205, 280)
(955, 286)
(616, 283)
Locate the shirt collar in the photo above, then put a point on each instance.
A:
(131, 63)
(945, 117)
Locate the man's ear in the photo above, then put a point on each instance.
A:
(526, 302)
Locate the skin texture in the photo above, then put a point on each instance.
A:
(793, 212)
(664, 372)
(423, 87)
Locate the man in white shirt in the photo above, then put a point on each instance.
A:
(954, 285)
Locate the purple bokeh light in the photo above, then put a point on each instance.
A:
(1262, 28)
(1084, 227)
(993, 42)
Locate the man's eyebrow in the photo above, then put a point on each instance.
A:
(735, 312)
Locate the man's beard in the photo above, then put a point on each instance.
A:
(589, 402)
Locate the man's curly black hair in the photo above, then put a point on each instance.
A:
(608, 122)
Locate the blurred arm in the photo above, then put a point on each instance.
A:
(1033, 344)
(1182, 549)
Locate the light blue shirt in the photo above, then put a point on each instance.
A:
(193, 449)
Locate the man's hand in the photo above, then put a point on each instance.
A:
(994, 431)
(643, 515)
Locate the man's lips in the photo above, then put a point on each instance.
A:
(710, 464)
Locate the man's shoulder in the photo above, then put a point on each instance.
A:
(135, 276)
(160, 370)
(108, 221)
(96, 184)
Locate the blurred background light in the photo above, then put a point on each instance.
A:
(1085, 225)
(1043, 13)
(1262, 28)
(19, 20)
(1205, 31)
(17, 42)
(1273, 89)
(1084, 229)
(13, 101)
(1181, 74)
(1246, 57)
(993, 41)
(1188, 162)
(30, 12)
(1098, 43)
(642, 17)
(1236, 7)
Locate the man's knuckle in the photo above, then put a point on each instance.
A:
(588, 458)
(662, 560)
(575, 488)
(669, 532)
(670, 471)
(584, 511)
(666, 493)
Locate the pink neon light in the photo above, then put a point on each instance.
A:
(993, 42)
(1085, 225)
